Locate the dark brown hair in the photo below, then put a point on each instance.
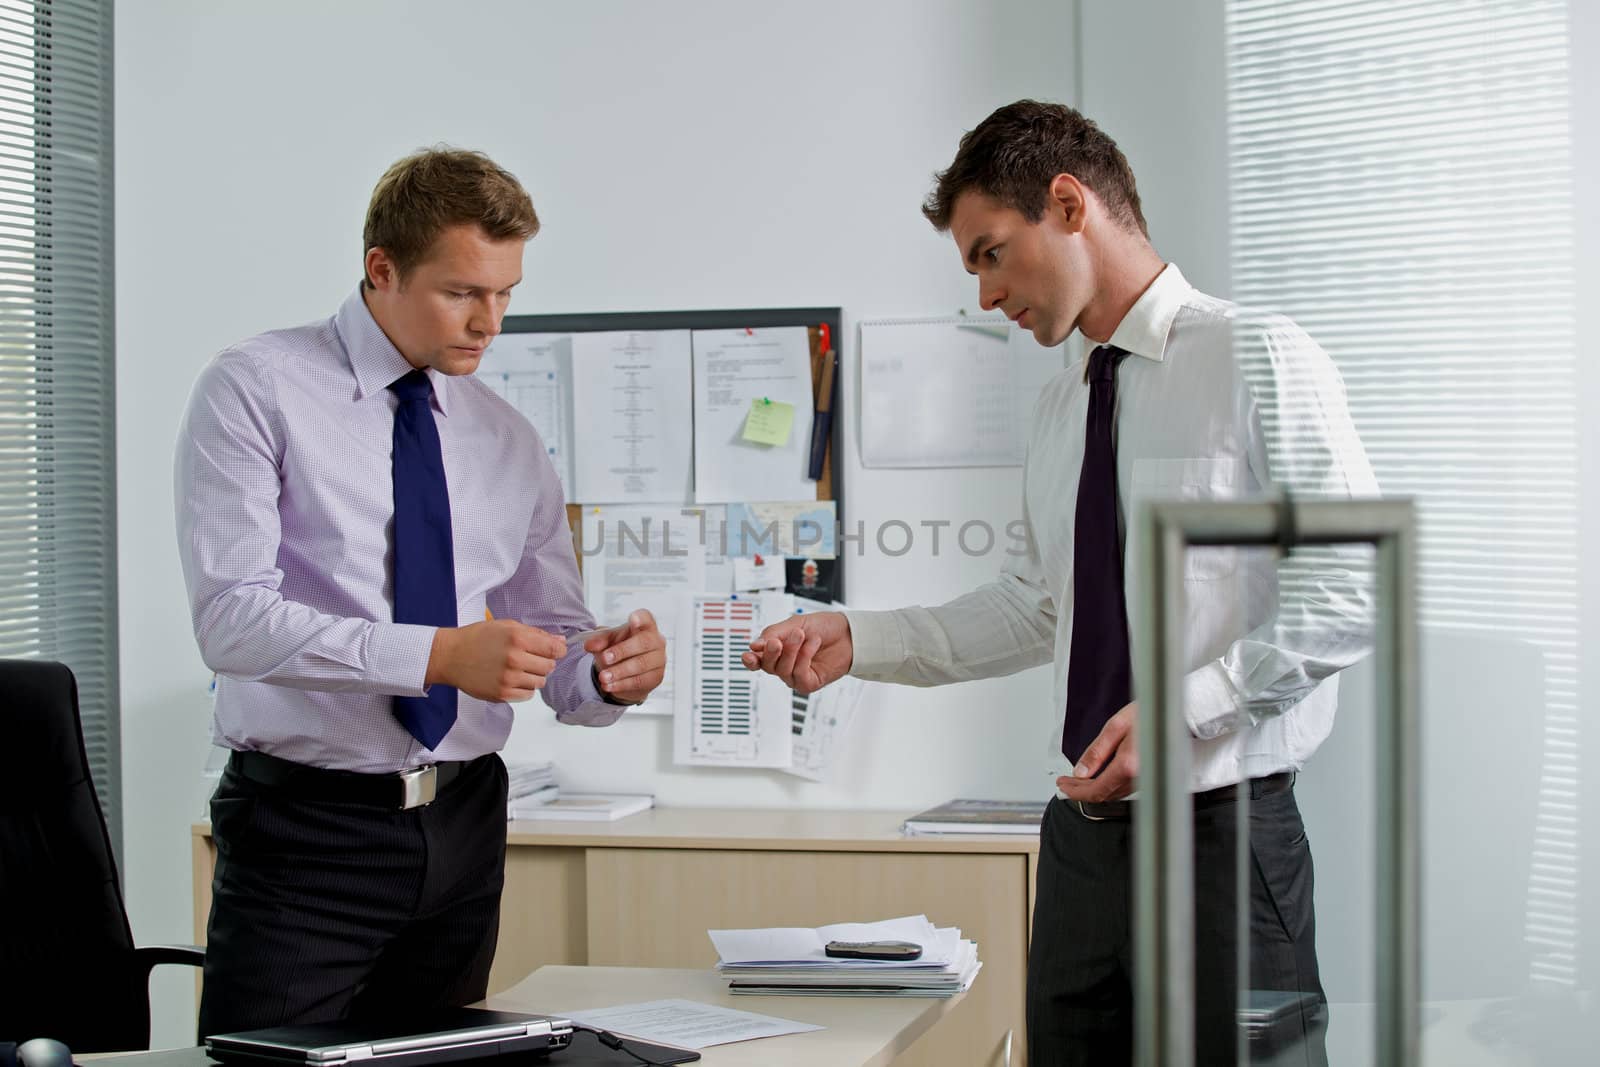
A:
(435, 188)
(1015, 153)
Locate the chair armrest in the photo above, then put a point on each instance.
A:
(148, 957)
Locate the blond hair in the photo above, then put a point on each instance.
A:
(433, 189)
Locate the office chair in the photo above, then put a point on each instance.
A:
(68, 966)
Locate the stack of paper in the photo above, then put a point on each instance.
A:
(793, 961)
(529, 786)
(591, 807)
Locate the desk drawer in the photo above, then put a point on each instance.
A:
(652, 908)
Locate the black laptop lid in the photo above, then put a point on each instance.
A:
(443, 1037)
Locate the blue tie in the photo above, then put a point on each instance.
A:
(1099, 667)
(424, 552)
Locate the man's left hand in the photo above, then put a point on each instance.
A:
(1108, 767)
(630, 659)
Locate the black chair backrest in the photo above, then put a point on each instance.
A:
(66, 952)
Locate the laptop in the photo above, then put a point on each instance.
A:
(451, 1036)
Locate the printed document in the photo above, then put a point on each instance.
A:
(635, 442)
(731, 369)
(733, 717)
(821, 722)
(643, 557)
(533, 373)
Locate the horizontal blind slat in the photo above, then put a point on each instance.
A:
(1359, 135)
(57, 498)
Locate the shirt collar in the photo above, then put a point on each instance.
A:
(1144, 329)
(374, 359)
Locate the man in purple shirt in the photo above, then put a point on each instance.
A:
(351, 504)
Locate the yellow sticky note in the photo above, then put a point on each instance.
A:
(769, 422)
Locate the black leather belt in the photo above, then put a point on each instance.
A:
(1265, 786)
(402, 790)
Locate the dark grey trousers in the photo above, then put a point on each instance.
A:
(324, 911)
(1080, 961)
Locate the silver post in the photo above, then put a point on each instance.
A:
(1399, 803)
(1163, 849)
(1163, 858)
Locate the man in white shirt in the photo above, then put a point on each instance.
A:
(1186, 396)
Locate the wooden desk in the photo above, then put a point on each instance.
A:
(643, 891)
(1452, 1031)
(869, 1031)
(859, 1031)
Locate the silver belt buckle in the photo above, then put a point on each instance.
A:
(1086, 815)
(418, 786)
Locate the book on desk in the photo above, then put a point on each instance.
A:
(965, 816)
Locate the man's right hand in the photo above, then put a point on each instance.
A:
(498, 660)
(806, 651)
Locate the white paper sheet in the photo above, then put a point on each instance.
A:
(732, 368)
(533, 372)
(686, 1023)
(950, 392)
(802, 945)
(643, 557)
(634, 439)
(759, 573)
(821, 722)
(711, 531)
(734, 717)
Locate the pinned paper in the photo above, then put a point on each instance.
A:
(732, 373)
(992, 327)
(758, 573)
(781, 528)
(769, 422)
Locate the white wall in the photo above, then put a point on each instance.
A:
(681, 156)
(1152, 75)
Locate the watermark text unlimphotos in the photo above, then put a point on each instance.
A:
(666, 537)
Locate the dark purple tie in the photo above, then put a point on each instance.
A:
(1100, 670)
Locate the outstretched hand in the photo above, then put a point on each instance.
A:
(806, 651)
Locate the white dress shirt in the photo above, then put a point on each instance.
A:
(1215, 402)
(285, 509)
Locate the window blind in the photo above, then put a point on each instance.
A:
(58, 576)
(1401, 182)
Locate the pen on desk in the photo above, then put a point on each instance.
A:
(823, 423)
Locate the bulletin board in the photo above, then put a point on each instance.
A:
(830, 485)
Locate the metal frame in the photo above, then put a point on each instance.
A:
(1164, 859)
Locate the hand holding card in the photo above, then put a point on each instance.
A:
(631, 659)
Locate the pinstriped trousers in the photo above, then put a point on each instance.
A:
(1080, 958)
(325, 911)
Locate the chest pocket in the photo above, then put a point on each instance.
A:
(1193, 479)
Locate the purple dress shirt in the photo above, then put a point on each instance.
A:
(285, 514)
